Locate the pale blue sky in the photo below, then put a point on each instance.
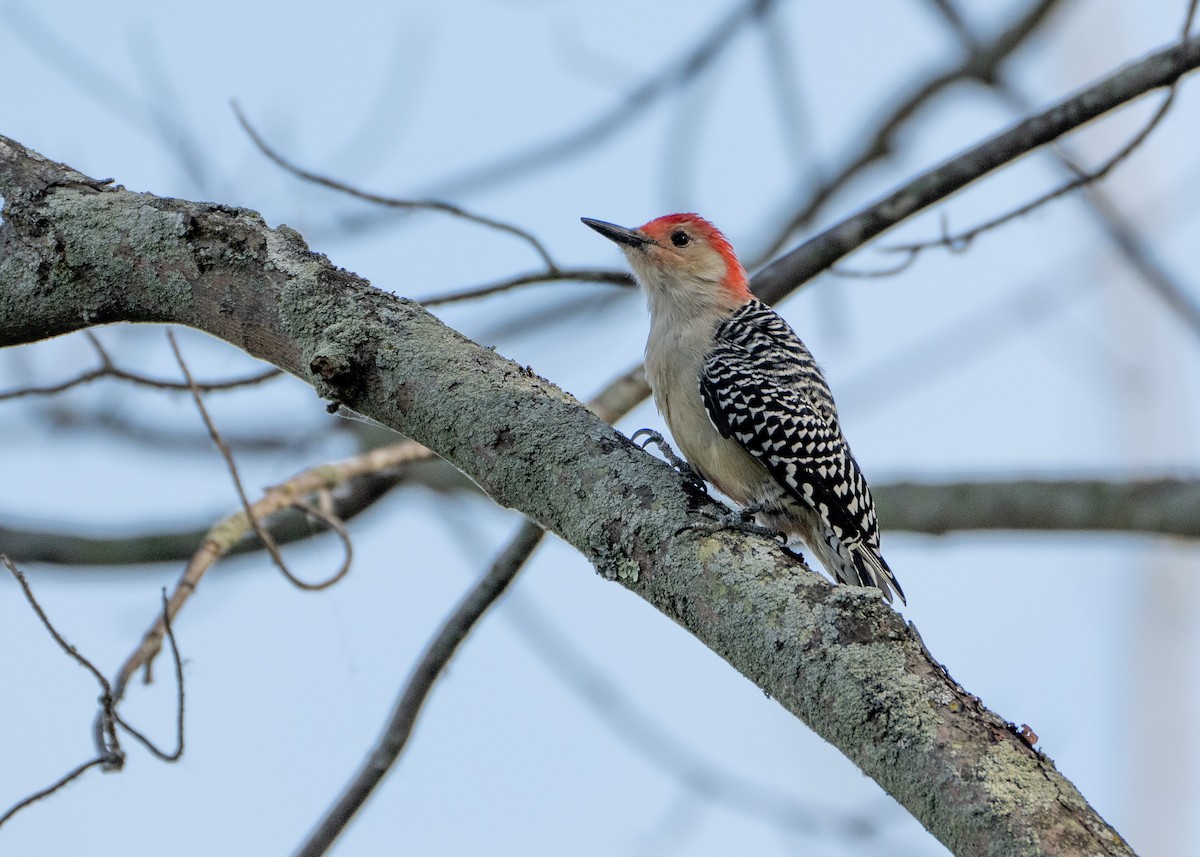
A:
(1036, 352)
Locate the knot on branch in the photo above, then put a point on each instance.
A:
(333, 376)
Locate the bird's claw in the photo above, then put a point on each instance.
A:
(741, 520)
(691, 477)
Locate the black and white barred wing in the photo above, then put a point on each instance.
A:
(800, 448)
(762, 389)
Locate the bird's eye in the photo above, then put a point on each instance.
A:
(680, 238)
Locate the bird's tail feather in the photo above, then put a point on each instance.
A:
(873, 571)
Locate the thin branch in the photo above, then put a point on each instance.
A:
(1155, 71)
(600, 128)
(552, 275)
(960, 241)
(71, 651)
(390, 201)
(327, 517)
(108, 369)
(1124, 236)
(420, 682)
(227, 533)
(108, 744)
(177, 754)
(111, 756)
(263, 535)
(50, 789)
(875, 274)
(981, 64)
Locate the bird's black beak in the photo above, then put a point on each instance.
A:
(619, 234)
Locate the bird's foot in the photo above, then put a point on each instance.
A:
(691, 477)
(740, 520)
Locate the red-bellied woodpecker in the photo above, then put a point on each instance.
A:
(743, 397)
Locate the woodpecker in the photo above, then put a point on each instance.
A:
(744, 399)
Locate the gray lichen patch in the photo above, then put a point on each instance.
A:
(1001, 770)
(120, 250)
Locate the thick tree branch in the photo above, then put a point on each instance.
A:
(75, 253)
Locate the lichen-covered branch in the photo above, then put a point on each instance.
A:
(75, 252)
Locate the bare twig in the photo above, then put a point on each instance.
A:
(108, 369)
(600, 128)
(225, 534)
(416, 690)
(50, 789)
(330, 520)
(177, 754)
(391, 201)
(1158, 70)
(552, 272)
(960, 241)
(553, 275)
(71, 651)
(108, 744)
(876, 274)
(263, 535)
(982, 64)
(110, 756)
(1120, 230)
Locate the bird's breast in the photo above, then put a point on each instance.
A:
(673, 373)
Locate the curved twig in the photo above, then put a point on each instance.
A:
(110, 754)
(177, 754)
(390, 201)
(50, 789)
(227, 533)
(602, 127)
(108, 369)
